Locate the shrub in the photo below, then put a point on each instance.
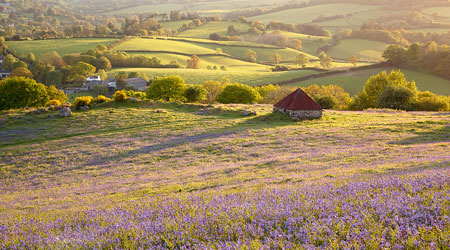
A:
(427, 101)
(100, 89)
(53, 102)
(280, 68)
(376, 85)
(327, 102)
(213, 89)
(101, 99)
(271, 94)
(238, 93)
(396, 97)
(83, 101)
(224, 68)
(169, 88)
(21, 71)
(120, 96)
(136, 94)
(55, 94)
(195, 93)
(335, 92)
(19, 92)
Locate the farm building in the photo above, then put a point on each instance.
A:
(299, 105)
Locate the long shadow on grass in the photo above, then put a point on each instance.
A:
(270, 120)
(434, 136)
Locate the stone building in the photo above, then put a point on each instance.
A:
(299, 106)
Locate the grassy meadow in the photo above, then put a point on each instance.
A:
(364, 50)
(196, 76)
(353, 81)
(61, 46)
(126, 176)
(308, 14)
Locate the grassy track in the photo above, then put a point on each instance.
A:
(61, 46)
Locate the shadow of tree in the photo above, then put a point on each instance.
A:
(434, 136)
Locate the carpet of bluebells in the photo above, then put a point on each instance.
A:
(128, 177)
(397, 212)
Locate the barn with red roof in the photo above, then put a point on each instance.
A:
(299, 105)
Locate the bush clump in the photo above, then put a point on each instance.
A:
(120, 96)
(396, 97)
(53, 102)
(327, 102)
(169, 88)
(136, 94)
(427, 101)
(101, 99)
(20, 92)
(195, 93)
(82, 101)
(238, 93)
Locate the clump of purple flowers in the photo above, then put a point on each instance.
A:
(400, 212)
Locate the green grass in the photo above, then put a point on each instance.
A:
(173, 25)
(308, 14)
(201, 75)
(353, 82)
(203, 31)
(364, 50)
(263, 53)
(61, 46)
(163, 45)
(357, 19)
(72, 97)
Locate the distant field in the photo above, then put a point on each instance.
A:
(357, 19)
(173, 25)
(201, 75)
(431, 30)
(163, 45)
(160, 8)
(443, 11)
(364, 50)
(308, 14)
(311, 44)
(263, 53)
(353, 82)
(61, 46)
(203, 31)
(205, 61)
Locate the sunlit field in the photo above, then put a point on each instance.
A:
(126, 176)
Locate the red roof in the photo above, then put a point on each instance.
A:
(298, 100)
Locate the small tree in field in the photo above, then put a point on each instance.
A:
(250, 56)
(169, 88)
(193, 62)
(301, 59)
(195, 93)
(353, 60)
(276, 58)
(21, 71)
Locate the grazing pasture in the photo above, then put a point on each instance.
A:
(204, 30)
(61, 46)
(126, 176)
(364, 50)
(308, 14)
(163, 45)
(195, 76)
(353, 81)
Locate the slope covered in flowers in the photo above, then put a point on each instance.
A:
(128, 177)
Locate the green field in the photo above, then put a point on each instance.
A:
(157, 8)
(353, 81)
(263, 53)
(310, 44)
(163, 45)
(364, 50)
(203, 31)
(308, 14)
(195, 76)
(173, 25)
(61, 46)
(357, 19)
(205, 61)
